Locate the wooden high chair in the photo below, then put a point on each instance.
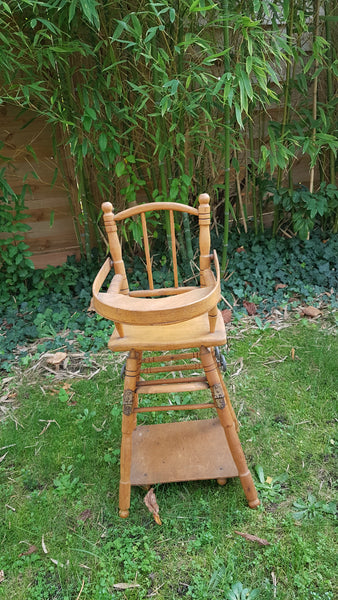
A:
(163, 321)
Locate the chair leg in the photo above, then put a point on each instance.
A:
(221, 400)
(128, 425)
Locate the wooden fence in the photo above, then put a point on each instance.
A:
(29, 146)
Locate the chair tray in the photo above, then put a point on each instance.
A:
(180, 451)
(190, 334)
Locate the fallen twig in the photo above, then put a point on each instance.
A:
(253, 538)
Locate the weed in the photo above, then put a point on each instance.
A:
(270, 488)
(313, 508)
(66, 486)
(238, 592)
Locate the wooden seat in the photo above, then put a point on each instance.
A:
(168, 321)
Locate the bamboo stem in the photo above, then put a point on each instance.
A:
(226, 39)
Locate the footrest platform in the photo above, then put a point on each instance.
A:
(180, 451)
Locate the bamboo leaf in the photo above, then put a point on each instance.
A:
(122, 26)
(150, 34)
(89, 10)
(239, 115)
(195, 7)
(137, 25)
(6, 7)
(72, 8)
(103, 142)
(243, 96)
(120, 168)
(247, 84)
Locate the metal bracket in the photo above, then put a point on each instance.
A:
(123, 370)
(218, 395)
(222, 363)
(128, 397)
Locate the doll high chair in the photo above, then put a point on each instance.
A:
(168, 321)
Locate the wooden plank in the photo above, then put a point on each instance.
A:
(181, 451)
(172, 368)
(169, 388)
(170, 407)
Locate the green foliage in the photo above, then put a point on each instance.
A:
(47, 306)
(15, 264)
(306, 207)
(313, 508)
(271, 489)
(238, 592)
(65, 485)
(161, 104)
(306, 268)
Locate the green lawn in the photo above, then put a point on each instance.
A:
(59, 486)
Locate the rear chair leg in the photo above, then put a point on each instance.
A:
(221, 400)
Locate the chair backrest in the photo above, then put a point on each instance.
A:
(110, 221)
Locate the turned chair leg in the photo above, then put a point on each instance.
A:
(221, 400)
(130, 400)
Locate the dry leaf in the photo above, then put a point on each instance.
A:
(30, 550)
(251, 308)
(2, 576)
(240, 249)
(44, 545)
(268, 480)
(293, 353)
(253, 538)
(227, 315)
(280, 286)
(311, 311)
(125, 586)
(86, 514)
(56, 562)
(151, 504)
(66, 386)
(57, 358)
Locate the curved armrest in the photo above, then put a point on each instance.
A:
(102, 276)
(123, 308)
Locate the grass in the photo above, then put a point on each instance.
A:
(59, 487)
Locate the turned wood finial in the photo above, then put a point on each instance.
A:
(107, 207)
(204, 198)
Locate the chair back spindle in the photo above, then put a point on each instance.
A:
(173, 247)
(146, 250)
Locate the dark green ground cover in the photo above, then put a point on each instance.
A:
(51, 305)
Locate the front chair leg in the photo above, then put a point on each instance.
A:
(128, 426)
(228, 423)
